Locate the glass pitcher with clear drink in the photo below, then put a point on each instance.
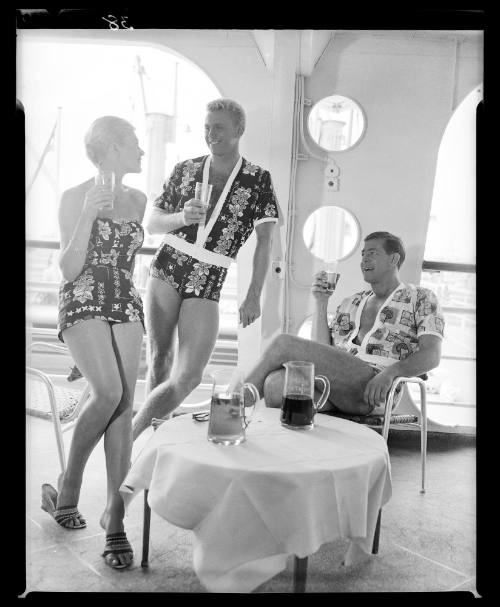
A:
(228, 414)
(297, 406)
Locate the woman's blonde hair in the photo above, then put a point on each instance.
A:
(102, 133)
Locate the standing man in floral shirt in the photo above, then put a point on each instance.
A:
(188, 270)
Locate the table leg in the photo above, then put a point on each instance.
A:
(299, 574)
(145, 531)
(376, 537)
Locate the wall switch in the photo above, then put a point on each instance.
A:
(278, 268)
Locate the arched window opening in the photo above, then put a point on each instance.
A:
(449, 263)
(63, 87)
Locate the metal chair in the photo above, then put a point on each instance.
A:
(65, 404)
(388, 418)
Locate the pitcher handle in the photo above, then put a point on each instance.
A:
(326, 392)
(255, 393)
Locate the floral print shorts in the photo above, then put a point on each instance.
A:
(189, 276)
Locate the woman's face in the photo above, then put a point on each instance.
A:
(127, 155)
(221, 134)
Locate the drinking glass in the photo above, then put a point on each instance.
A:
(332, 279)
(106, 178)
(202, 192)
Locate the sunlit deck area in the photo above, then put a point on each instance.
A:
(427, 542)
(347, 217)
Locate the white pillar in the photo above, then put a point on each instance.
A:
(159, 129)
(254, 338)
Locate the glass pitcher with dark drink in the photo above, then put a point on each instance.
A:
(298, 407)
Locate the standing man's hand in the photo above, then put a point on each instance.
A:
(249, 310)
(194, 212)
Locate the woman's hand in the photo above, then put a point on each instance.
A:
(97, 198)
(194, 212)
(320, 289)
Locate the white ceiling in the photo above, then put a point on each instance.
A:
(465, 34)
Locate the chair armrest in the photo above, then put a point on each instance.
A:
(389, 402)
(44, 344)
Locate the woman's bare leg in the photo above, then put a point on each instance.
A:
(348, 374)
(127, 338)
(118, 434)
(198, 328)
(91, 347)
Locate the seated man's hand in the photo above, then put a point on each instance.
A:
(320, 289)
(378, 387)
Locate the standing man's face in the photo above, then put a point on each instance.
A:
(221, 134)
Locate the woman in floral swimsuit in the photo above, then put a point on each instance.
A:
(189, 268)
(101, 320)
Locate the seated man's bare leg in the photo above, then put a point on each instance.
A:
(348, 374)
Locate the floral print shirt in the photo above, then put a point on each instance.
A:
(408, 313)
(251, 200)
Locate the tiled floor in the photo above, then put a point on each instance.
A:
(427, 541)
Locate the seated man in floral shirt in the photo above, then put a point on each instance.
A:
(391, 329)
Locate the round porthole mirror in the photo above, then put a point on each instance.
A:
(336, 123)
(331, 233)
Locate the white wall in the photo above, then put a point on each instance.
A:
(408, 89)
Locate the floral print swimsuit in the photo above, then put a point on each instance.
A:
(104, 288)
(194, 259)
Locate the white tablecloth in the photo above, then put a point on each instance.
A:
(281, 492)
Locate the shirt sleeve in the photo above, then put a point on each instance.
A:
(169, 198)
(266, 208)
(428, 314)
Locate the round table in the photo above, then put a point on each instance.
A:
(279, 493)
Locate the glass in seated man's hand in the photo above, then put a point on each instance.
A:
(320, 289)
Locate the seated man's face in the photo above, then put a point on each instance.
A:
(375, 262)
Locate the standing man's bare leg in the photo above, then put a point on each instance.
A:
(198, 328)
(162, 305)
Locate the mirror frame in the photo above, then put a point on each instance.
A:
(358, 239)
(360, 138)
